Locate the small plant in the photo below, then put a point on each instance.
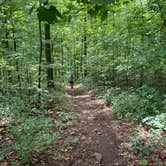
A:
(66, 116)
(59, 156)
(144, 162)
(158, 121)
(56, 155)
(144, 143)
(110, 94)
(68, 142)
(139, 146)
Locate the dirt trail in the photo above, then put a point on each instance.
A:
(97, 143)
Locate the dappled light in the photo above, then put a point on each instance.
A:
(82, 82)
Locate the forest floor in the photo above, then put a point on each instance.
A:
(96, 138)
(97, 135)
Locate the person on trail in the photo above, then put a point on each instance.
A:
(72, 80)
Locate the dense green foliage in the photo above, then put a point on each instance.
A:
(128, 62)
(31, 129)
(115, 46)
(138, 104)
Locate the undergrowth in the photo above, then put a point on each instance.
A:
(135, 104)
(32, 127)
(148, 146)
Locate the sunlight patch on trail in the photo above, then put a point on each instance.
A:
(81, 96)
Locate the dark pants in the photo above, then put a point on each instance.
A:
(71, 84)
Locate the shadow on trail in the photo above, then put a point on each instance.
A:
(97, 143)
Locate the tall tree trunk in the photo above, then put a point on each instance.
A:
(81, 59)
(40, 57)
(62, 58)
(74, 60)
(50, 83)
(5, 41)
(127, 54)
(85, 47)
(142, 70)
(48, 52)
(17, 61)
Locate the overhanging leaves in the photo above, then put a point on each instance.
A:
(50, 15)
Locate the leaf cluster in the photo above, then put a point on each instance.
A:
(49, 15)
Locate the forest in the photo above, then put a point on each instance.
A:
(116, 112)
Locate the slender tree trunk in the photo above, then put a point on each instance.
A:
(142, 67)
(81, 60)
(85, 47)
(40, 57)
(62, 58)
(142, 71)
(114, 44)
(50, 83)
(127, 54)
(5, 41)
(4, 74)
(113, 67)
(27, 77)
(17, 61)
(74, 54)
(6, 45)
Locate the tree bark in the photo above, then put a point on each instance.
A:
(50, 83)
(17, 61)
(40, 58)
(62, 58)
(85, 48)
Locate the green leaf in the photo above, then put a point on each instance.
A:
(54, 10)
(42, 14)
(50, 15)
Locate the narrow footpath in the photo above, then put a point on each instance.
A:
(97, 142)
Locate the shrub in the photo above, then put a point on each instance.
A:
(150, 99)
(127, 104)
(49, 99)
(110, 94)
(143, 102)
(140, 146)
(145, 143)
